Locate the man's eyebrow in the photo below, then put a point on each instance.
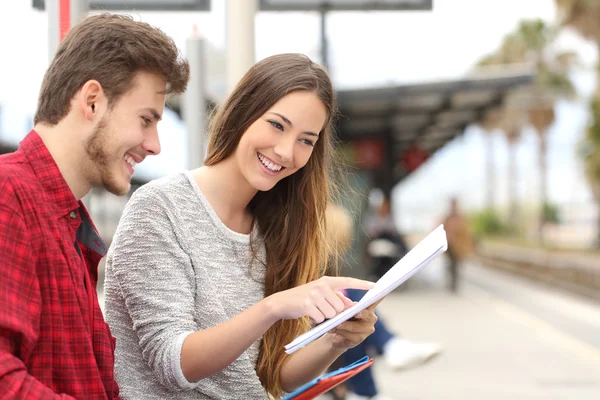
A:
(154, 113)
(287, 121)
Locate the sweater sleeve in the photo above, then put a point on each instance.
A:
(157, 282)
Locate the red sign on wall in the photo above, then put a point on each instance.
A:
(412, 158)
(368, 153)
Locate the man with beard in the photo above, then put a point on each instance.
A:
(100, 101)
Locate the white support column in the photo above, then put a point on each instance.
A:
(53, 13)
(79, 9)
(194, 103)
(62, 15)
(239, 23)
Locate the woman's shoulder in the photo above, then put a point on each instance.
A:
(165, 189)
(165, 184)
(162, 205)
(161, 196)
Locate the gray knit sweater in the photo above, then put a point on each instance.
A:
(174, 268)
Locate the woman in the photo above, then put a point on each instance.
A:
(212, 271)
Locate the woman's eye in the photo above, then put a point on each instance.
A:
(147, 121)
(308, 142)
(276, 125)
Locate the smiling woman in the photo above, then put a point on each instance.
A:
(212, 271)
(281, 147)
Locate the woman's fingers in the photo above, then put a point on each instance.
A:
(325, 308)
(344, 282)
(372, 306)
(347, 302)
(336, 302)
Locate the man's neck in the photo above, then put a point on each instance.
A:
(66, 150)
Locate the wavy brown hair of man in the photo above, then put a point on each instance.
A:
(291, 216)
(111, 49)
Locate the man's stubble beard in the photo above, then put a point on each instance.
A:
(100, 161)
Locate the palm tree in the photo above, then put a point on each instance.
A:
(489, 123)
(512, 123)
(510, 52)
(529, 44)
(584, 17)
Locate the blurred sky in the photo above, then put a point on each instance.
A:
(367, 49)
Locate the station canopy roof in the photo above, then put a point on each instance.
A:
(394, 129)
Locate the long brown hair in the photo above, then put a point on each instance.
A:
(291, 216)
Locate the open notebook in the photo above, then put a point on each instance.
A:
(422, 254)
(328, 381)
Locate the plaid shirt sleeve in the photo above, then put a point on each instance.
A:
(20, 304)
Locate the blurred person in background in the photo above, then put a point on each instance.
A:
(213, 271)
(460, 242)
(98, 107)
(397, 352)
(385, 245)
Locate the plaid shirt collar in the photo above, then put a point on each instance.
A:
(48, 174)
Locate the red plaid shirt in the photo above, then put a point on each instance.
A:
(54, 342)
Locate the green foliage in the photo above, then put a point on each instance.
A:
(590, 150)
(528, 44)
(551, 213)
(489, 223)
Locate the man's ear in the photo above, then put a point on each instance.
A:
(90, 96)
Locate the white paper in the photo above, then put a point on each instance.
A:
(422, 254)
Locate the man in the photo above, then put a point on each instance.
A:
(460, 242)
(98, 109)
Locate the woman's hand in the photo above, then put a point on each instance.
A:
(318, 300)
(352, 332)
